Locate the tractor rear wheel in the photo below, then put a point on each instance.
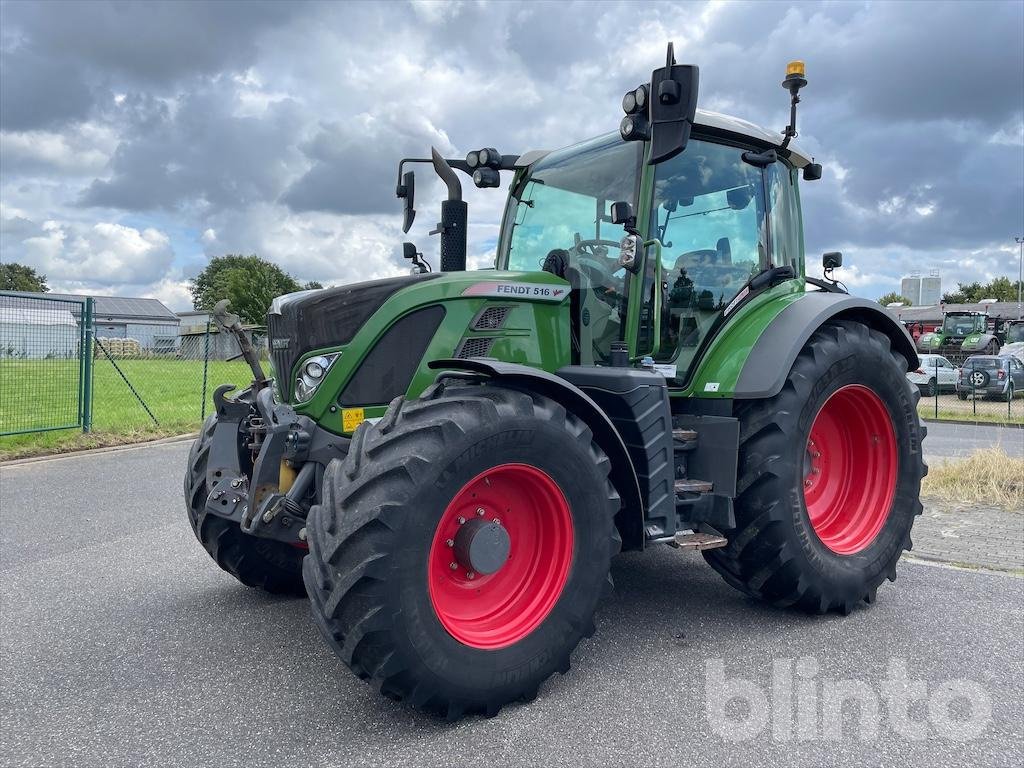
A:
(461, 547)
(830, 476)
(272, 566)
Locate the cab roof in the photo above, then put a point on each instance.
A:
(718, 122)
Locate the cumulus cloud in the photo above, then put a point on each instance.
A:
(174, 132)
(105, 253)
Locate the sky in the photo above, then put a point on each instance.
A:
(139, 140)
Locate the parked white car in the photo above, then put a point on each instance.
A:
(935, 374)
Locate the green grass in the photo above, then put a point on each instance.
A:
(987, 411)
(35, 393)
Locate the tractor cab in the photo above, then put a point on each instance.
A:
(963, 324)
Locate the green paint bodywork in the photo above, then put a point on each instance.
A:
(535, 333)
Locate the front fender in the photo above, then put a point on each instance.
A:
(773, 354)
(977, 342)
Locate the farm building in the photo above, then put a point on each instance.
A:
(37, 333)
(147, 321)
(196, 343)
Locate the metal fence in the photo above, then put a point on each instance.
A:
(982, 389)
(44, 371)
(148, 379)
(61, 370)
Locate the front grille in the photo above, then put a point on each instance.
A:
(475, 347)
(491, 319)
(279, 357)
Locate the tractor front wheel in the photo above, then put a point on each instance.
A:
(272, 566)
(461, 547)
(830, 476)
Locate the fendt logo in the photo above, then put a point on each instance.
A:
(529, 291)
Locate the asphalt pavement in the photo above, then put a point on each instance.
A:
(123, 644)
(947, 440)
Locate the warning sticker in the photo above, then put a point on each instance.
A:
(528, 291)
(352, 418)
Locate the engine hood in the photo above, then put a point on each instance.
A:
(300, 322)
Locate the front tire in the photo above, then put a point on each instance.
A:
(272, 566)
(391, 572)
(831, 476)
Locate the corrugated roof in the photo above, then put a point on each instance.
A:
(26, 316)
(120, 307)
(1005, 310)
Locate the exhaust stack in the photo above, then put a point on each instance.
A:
(454, 216)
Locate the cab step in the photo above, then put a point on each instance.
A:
(684, 439)
(687, 485)
(698, 541)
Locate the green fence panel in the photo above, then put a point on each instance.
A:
(41, 363)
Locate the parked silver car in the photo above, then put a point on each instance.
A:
(990, 376)
(935, 374)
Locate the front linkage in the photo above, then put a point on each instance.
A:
(266, 462)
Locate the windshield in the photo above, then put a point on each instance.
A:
(963, 325)
(558, 220)
(1015, 333)
(987, 363)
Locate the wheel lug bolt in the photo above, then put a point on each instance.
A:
(816, 471)
(450, 542)
(480, 511)
(816, 455)
(453, 566)
(470, 575)
(496, 521)
(462, 521)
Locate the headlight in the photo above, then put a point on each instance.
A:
(311, 374)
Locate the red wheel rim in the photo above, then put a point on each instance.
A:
(850, 468)
(498, 609)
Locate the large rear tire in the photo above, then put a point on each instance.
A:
(480, 471)
(830, 476)
(272, 566)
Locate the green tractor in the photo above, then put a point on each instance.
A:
(961, 335)
(447, 462)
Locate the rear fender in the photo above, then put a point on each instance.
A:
(630, 518)
(773, 354)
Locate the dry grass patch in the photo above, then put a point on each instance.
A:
(989, 477)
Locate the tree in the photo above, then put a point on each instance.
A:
(248, 281)
(1001, 289)
(18, 277)
(311, 285)
(892, 298)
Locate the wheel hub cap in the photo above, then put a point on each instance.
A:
(482, 546)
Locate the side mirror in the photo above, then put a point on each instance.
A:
(812, 172)
(673, 106)
(622, 213)
(408, 192)
(739, 198)
(832, 260)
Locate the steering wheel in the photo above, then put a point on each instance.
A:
(592, 255)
